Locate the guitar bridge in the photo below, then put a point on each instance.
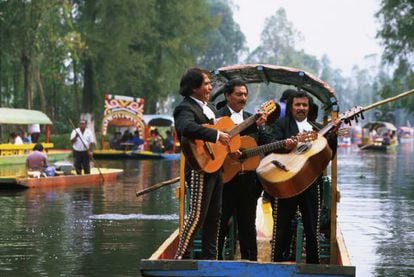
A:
(280, 165)
(209, 150)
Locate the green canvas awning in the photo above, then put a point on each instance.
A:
(23, 116)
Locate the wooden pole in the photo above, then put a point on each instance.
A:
(84, 144)
(390, 99)
(158, 185)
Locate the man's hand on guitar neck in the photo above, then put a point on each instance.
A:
(262, 118)
(290, 143)
(224, 137)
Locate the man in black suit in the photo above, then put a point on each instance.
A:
(240, 194)
(308, 201)
(205, 188)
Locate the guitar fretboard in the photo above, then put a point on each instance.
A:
(246, 123)
(263, 149)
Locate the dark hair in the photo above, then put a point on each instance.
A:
(38, 147)
(230, 85)
(297, 94)
(192, 79)
(286, 94)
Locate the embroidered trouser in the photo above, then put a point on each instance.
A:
(284, 211)
(205, 211)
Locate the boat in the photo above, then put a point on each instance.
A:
(378, 135)
(405, 133)
(335, 257)
(128, 113)
(97, 176)
(16, 154)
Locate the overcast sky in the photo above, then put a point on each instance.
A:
(343, 29)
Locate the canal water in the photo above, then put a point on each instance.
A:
(106, 230)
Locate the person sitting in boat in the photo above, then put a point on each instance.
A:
(156, 142)
(136, 141)
(16, 138)
(168, 142)
(126, 136)
(115, 142)
(37, 162)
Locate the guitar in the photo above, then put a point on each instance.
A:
(208, 156)
(249, 159)
(287, 175)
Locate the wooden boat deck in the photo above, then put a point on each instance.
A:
(95, 178)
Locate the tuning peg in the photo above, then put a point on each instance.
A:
(362, 116)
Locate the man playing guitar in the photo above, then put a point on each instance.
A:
(240, 194)
(205, 188)
(308, 201)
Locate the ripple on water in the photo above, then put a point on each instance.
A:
(134, 217)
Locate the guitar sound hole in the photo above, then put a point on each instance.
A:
(303, 147)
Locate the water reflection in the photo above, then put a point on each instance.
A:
(376, 209)
(78, 231)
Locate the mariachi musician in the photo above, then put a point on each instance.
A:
(205, 188)
(240, 194)
(283, 210)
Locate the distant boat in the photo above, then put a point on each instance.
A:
(125, 112)
(101, 176)
(16, 154)
(379, 135)
(405, 132)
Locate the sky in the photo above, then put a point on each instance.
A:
(344, 30)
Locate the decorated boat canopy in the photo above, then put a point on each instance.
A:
(123, 111)
(162, 120)
(379, 125)
(23, 117)
(266, 73)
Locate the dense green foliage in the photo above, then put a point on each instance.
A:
(397, 35)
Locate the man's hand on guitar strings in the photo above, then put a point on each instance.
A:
(224, 137)
(290, 144)
(262, 118)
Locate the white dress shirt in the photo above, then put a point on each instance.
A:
(86, 137)
(237, 117)
(304, 126)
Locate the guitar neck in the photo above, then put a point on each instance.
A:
(244, 125)
(263, 149)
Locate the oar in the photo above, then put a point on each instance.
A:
(158, 185)
(84, 144)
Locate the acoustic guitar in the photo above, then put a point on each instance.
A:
(249, 159)
(287, 175)
(208, 156)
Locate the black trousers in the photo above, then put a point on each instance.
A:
(206, 191)
(81, 160)
(284, 211)
(240, 200)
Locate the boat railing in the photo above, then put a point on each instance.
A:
(8, 149)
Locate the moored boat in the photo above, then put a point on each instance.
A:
(335, 258)
(16, 154)
(97, 176)
(127, 113)
(379, 135)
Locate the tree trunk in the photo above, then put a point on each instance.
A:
(88, 87)
(27, 87)
(40, 90)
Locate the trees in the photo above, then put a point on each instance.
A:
(397, 35)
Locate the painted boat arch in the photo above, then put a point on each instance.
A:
(123, 111)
